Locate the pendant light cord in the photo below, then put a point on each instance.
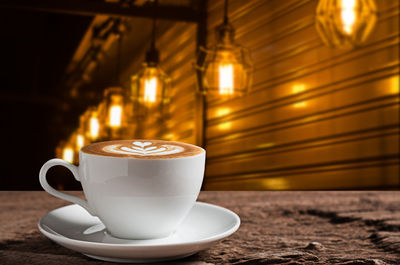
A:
(152, 56)
(153, 32)
(226, 12)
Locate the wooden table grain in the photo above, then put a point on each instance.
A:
(324, 227)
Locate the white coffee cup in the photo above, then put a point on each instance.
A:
(134, 198)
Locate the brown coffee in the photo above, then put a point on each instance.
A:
(143, 149)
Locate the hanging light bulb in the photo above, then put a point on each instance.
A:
(150, 89)
(115, 116)
(348, 15)
(80, 141)
(91, 123)
(114, 107)
(68, 154)
(149, 86)
(226, 79)
(226, 70)
(94, 127)
(345, 23)
(71, 148)
(66, 150)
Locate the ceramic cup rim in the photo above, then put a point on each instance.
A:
(203, 152)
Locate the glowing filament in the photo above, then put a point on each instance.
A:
(94, 127)
(348, 15)
(68, 154)
(115, 116)
(150, 90)
(226, 79)
(80, 141)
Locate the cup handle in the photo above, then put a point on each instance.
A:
(59, 194)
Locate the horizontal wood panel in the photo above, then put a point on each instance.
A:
(365, 146)
(281, 172)
(270, 149)
(373, 119)
(381, 175)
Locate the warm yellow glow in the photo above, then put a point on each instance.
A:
(345, 23)
(115, 116)
(300, 104)
(111, 110)
(226, 79)
(80, 141)
(298, 88)
(395, 85)
(348, 14)
(170, 136)
(266, 145)
(68, 154)
(225, 126)
(275, 183)
(150, 87)
(223, 111)
(150, 90)
(94, 127)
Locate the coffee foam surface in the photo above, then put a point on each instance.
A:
(144, 149)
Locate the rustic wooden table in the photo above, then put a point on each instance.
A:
(277, 228)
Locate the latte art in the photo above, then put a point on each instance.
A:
(144, 149)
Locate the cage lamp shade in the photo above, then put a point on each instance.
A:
(114, 109)
(65, 151)
(69, 152)
(150, 85)
(91, 124)
(77, 140)
(345, 23)
(226, 70)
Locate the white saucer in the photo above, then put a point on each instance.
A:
(74, 228)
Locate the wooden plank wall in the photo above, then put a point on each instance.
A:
(316, 118)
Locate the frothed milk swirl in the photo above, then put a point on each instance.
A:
(144, 149)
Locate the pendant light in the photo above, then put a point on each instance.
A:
(226, 70)
(149, 86)
(113, 109)
(78, 140)
(114, 106)
(73, 145)
(91, 124)
(345, 23)
(68, 154)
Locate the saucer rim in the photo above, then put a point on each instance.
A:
(64, 239)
